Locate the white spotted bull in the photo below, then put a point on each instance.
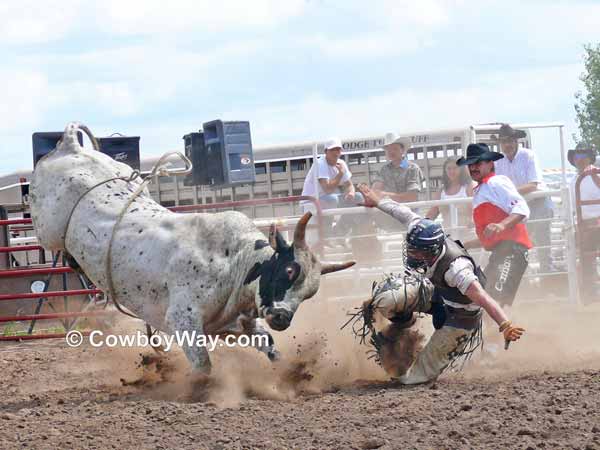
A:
(212, 274)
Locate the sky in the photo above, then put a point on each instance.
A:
(298, 70)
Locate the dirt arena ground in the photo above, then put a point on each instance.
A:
(543, 393)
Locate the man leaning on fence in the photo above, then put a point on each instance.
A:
(334, 188)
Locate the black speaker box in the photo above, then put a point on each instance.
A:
(125, 149)
(44, 142)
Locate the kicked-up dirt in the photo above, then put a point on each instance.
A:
(543, 393)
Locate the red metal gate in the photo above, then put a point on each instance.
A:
(90, 309)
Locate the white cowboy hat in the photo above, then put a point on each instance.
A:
(393, 138)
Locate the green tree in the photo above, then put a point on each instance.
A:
(587, 104)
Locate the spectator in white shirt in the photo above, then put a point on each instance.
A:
(334, 188)
(522, 167)
(583, 157)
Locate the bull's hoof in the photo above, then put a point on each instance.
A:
(138, 382)
(156, 369)
(199, 388)
(273, 355)
(199, 379)
(159, 350)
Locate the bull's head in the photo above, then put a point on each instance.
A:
(289, 277)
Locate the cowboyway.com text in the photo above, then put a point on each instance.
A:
(97, 338)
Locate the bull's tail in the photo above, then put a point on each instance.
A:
(69, 139)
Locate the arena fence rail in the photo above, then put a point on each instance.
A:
(563, 220)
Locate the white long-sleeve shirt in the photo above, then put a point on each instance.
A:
(399, 212)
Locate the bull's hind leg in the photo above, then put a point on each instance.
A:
(186, 319)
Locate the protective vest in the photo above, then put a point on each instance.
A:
(454, 250)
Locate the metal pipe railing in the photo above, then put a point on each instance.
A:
(453, 203)
(20, 248)
(10, 273)
(320, 213)
(30, 337)
(257, 202)
(7, 222)
(242, 203)
(36, 295)
(29, 317)
(430, 203)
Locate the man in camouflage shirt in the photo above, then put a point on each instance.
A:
(399, 179)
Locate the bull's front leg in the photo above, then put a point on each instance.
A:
(265, 343)
(184, 316)
(254, 329)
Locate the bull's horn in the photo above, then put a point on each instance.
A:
(272, 234)
(71, 133)
(87, 131)
(335, 267)
(300, 231)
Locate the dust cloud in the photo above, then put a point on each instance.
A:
(317, 357)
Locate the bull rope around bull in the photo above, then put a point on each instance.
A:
(160, 169)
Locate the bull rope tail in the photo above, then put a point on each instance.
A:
(158, 169)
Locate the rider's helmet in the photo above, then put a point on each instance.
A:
(424, 243)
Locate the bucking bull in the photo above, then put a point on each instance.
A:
(211, 274)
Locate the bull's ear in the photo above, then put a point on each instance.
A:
(276, 240)
(254, 273)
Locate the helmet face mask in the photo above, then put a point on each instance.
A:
(417, 258)
(424, 243)
(416, 264)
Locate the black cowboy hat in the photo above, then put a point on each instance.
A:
(584, 148)
(476, 153)
(508, 132)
